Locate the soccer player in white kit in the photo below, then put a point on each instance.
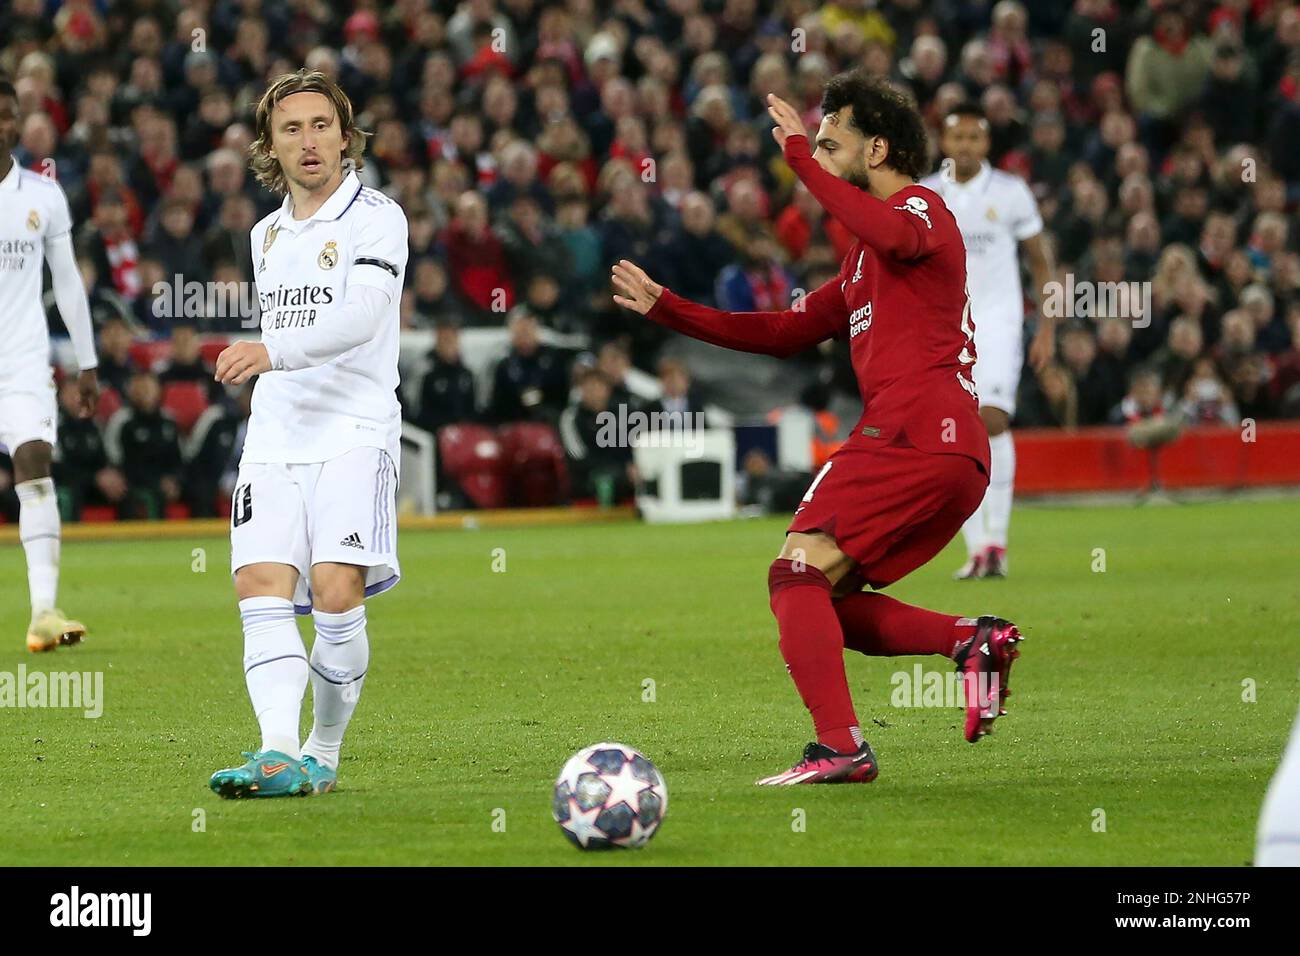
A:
(1277, 837)
(313, 523)
(998, 218)
(36, 228)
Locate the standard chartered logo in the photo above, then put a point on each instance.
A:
(859, 320)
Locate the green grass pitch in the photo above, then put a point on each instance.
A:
(1132, 704)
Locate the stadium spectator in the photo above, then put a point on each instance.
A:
(447, 392)
(186, 362)
(82, 472)
(1054, 403)
(600, 459)
(476, 258)
(206, 451)
(677, 398)
(115, 363)
(1146, 397)
(532, 245)
(1206, 399)
(433, 299)
(758, 282)
(530, 383)
(1175, 359)
(1166, 71)
(109, 237)
(144, 444)
(613, 361)
(695, 251)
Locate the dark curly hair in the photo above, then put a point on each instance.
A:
(882, 110)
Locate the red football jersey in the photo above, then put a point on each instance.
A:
(900, 300)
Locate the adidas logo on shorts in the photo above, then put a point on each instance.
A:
(353, 541)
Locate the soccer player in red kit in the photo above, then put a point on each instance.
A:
(916, 464)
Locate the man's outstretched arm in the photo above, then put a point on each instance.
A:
(782, 334)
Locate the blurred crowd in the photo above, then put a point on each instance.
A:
(532, 144)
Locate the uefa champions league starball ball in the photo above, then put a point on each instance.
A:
(609, 795)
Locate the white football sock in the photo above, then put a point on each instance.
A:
(974, 532)
(339, 659)
(275, 669)
(1002, 479)
(38, 526)
(1278, 836)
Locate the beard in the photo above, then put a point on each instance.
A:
(858, 176)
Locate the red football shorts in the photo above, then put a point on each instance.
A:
(890, 507)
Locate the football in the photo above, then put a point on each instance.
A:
(609, 795)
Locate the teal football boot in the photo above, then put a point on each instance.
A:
(267, 774)
(323, 779)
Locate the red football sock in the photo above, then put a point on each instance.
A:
(813, 647)
(879, 626)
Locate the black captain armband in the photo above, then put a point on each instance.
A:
(382, 263)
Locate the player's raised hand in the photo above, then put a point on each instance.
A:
(87, 393)
(239, 362)
(633, 288)
(787, 120)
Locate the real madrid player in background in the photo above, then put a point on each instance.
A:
(998, 218)
(313, 523)
(36, 227)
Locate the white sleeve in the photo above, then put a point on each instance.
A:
(380, 250)
(356, 323)
(70, 296)
(1027, 223)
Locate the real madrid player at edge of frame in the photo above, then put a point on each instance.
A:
(313, 521)
(36, 228)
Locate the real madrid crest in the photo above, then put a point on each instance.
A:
(991, 215)
(329, 256)
(33, 221)
(271, 233)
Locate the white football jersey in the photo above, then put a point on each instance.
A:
(33, 212)
(303, 271)
(995, 212)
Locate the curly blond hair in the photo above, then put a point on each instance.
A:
(266, 168)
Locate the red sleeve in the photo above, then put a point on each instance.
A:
(887, 230)
(782, 334)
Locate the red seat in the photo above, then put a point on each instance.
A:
(211, 348)
(467, 447)
(539, 475)
(471, 455)
(109, 402)
(176, 511)
(98, 513)
(148, 354)
(487, 489)
(186, 401)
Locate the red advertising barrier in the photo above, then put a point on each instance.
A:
(1051, 461)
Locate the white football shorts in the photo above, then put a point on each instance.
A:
(341, 511)
(28, 410)
(999, 358)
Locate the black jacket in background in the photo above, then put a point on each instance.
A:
(446, 396)
(150, 448)
(532, 388)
